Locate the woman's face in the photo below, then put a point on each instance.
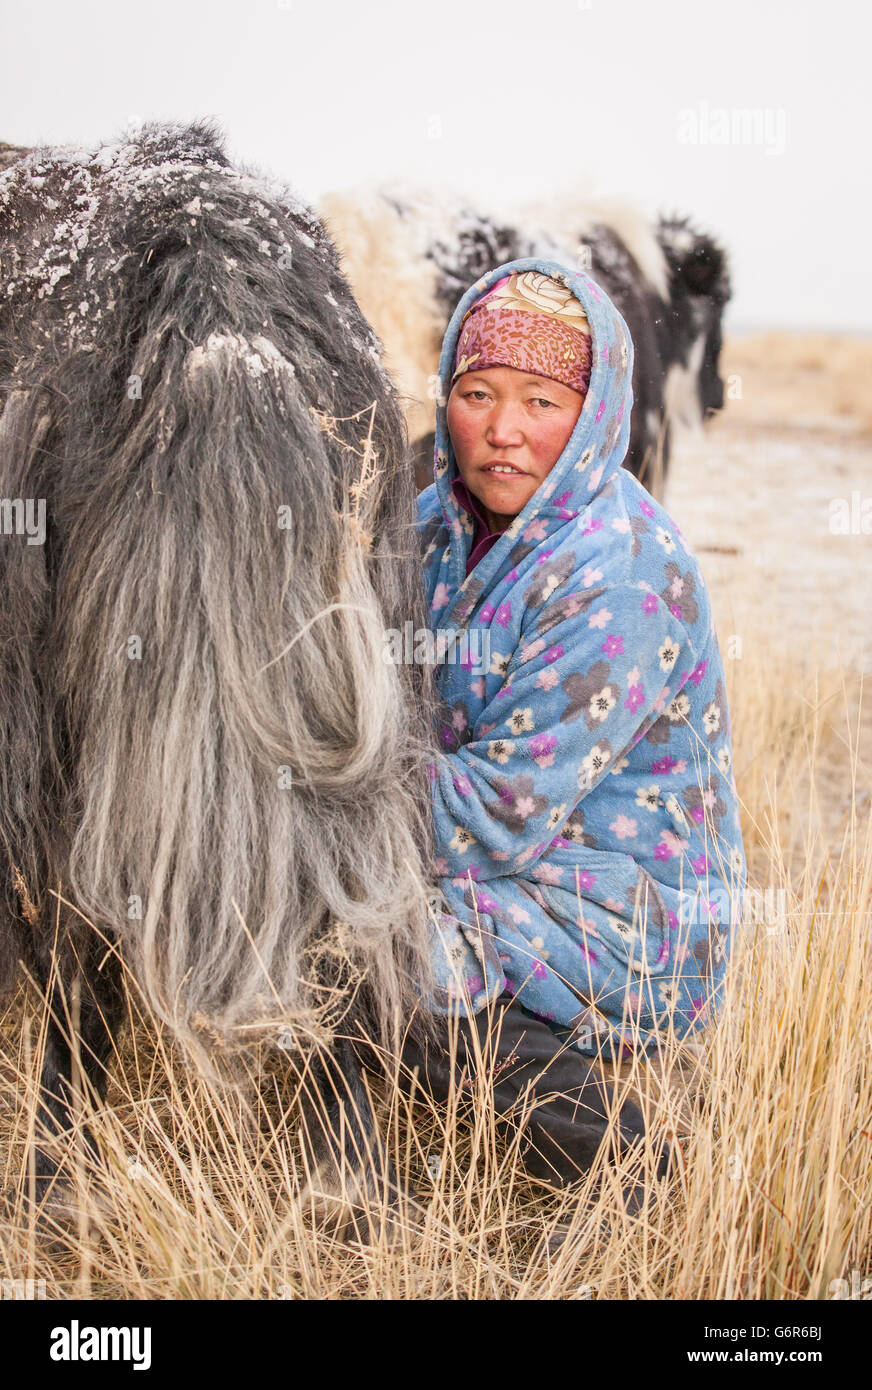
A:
(508, 430)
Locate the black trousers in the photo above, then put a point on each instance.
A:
(541, 1085)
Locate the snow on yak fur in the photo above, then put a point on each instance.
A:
(202, 748)
(410, 257)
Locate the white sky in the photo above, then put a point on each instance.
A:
(507, 99)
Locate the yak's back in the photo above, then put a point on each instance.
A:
(196, 721)
(80, 228)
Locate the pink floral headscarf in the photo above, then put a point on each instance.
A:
(530, 322)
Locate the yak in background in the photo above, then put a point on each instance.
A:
(205, 759)
(9, 154)
(411, 255)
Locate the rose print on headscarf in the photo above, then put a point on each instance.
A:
(532, 290)
(530, 322)
(678, 594)
(591, 694)
(517, 803)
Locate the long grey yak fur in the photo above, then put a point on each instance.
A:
(202, 748)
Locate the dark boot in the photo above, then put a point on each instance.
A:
(564, 1094)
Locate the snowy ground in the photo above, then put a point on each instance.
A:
(754, 502)
(753, 497)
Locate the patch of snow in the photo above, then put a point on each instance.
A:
(257, 357)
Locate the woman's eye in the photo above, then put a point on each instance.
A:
(483, 395)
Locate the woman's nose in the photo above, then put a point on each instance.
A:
(504, 426)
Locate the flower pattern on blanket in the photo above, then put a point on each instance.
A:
(589, 852)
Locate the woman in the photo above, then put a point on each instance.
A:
(587, 825)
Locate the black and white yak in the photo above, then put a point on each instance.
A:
(209, 774)
(411, 256)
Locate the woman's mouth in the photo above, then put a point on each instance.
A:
(503, 470)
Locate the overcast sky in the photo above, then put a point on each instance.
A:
(507, 100)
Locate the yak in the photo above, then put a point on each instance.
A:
(209, 773)
(411, 255)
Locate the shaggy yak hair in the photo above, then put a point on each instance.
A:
(208, 527)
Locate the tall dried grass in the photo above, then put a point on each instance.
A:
(200, 1195)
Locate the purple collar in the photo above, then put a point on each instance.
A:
(483, 538)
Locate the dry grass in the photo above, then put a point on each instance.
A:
(199, 1195)
(808, 378)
